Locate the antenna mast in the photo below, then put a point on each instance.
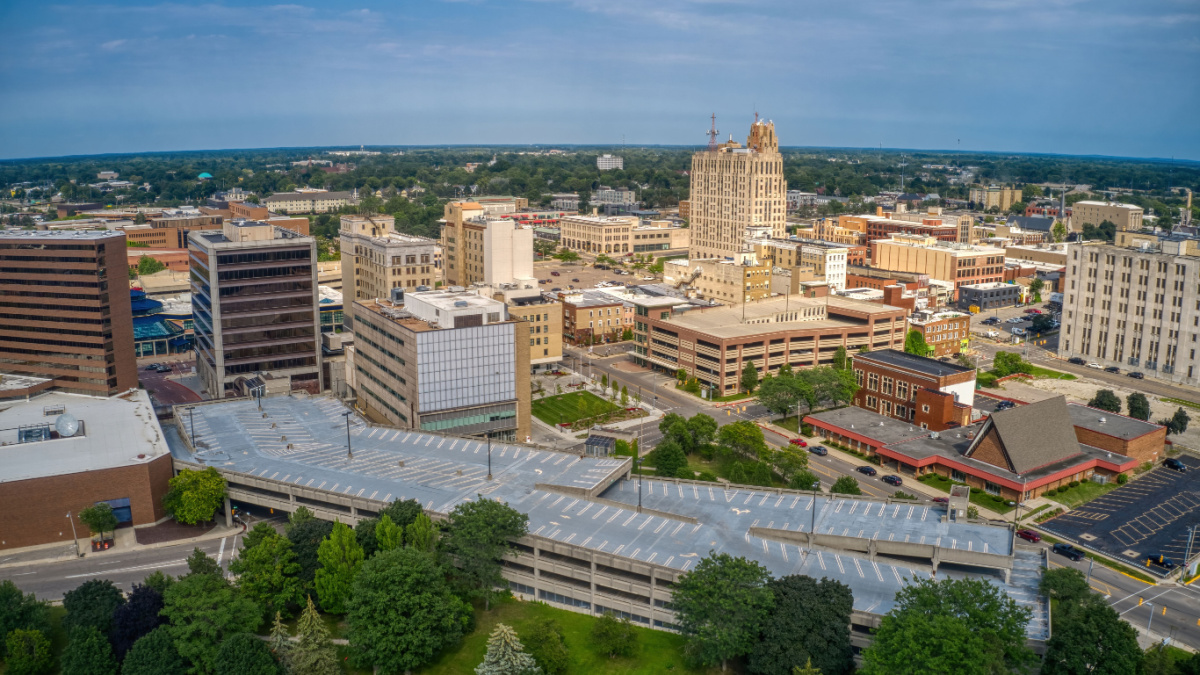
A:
(712, 135)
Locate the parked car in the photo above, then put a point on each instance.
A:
(1112, 369)
(993, 333)
(1160, 560)
(1069, 551)
(892, 480)
(1137, 375)
(1033, 311)
(152, 366)
(941, 500)
(543, 281)
(1095, 365)
(800, 442)
(1005, 405)
(1015, 319)
(555, 274)
(1175, 465)
(165, 369)
(555, 289)
(990, 321)
(1017, 331)
(818, 450)
(1077, 361)
(1029, 535)
(867, 470)
(575, 280)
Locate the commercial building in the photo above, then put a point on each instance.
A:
(1135, 307)
(1127, 217)
(1015, 454)
(451, 362)
(946, 332)
(315, 201)
(598, 234)
(254, 305)
(566, 201)
(608, 162)
(607, 195)
(64, 309)
(594, 317)
(734, 188)
(992, 295)
(61, 453)
(376, 259)
(479, 246)
(714, 345)
(797, 200)
(732, 282)
(660, 235)
(685, 209)
(1047, 254)
(994, 196)
(960, 264)
(541, 313)
(922, 391)
(828, 260)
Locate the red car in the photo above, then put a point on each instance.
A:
(799, 442)
(1029, 535)
(1033, 311)
(941, 500)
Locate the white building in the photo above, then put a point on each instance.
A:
(607, 195)
(606, 162)
(507, 252)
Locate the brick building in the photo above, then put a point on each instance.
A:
(946, 332)
(592, 317)
(925, 392)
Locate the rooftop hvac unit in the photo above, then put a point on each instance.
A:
(397, 296)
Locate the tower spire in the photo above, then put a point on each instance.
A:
(712, 135)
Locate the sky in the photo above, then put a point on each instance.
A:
(1108, 77)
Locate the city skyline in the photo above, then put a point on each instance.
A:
(1011, 76)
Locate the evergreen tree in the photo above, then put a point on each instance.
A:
(506, 656)
(280, 642)
(137, 617)
(268, 574)
(388, 535)
(313, 653)
(88, 653)
(340, 556)
(301, 515)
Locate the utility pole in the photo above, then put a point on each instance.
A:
(1091, 564)
(489, 442)
(349, 453)
(74, 537)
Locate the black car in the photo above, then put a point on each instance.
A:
(1137, 375)
(990, 321)
(818, 450)
(892, 480)
(152, 366)
(1160, 560)
(1174, 464)
(1069, 551)
(1005, 405)
(1112, 369)
(1077, 361)
(867, 470)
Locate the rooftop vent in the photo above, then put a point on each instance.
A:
(934, 435)
(460, 303)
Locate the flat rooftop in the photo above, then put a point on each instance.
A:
(113, 432)
(441, 472)
(1104, 422)
(58, 235)
(920, 364)
(728, 321)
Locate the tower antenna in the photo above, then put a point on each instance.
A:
(712, 135)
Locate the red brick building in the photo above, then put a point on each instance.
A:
(892, 383)
(946, 333)
(884, 228)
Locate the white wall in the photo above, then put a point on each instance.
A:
(963, 393)
(507, 252)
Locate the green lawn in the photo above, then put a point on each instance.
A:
(978, 497)
(1046, 373)
(1182, 402)
(659, 651)
(1086, 491)
(567, 408)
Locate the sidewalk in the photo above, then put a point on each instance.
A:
(125, 542)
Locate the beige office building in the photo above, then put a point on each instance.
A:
(377, 259)
(994, 196)
(734, 188)
(543, 317)
(959, 264)
(731, 281)
(1126, 217)
(660, 235)
(480, 249)
(316, 201)
(826, 260)
(598, 234)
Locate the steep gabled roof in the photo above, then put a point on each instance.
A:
(1034, 435)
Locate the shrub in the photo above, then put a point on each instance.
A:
(1122, 479)
(1051, 492)
(614, 638)
(1074, 483)
(707, 476)
(806, 429)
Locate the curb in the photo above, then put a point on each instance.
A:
(214, 534)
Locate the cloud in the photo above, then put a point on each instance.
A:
(112, 45)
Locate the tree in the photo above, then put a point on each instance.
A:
(1178, 423)
(566, 255)
(720, 606)
(99, 518)
(505, 655)
(840, 360)
(364, 531)
(749, 378)
(477, 538)
(1138, 405)
(421, 534)
(742, 439)
(402, 512)
(914, 343)
(159, 581)
(313, 653)
(782, 395)
(134, 619)
(548, 647)
(1058, 232)
(680, 375)
(388, 535)
(200, 562)
(88, 653)
(139, 218)
(789, 461)
(603, 382)
(244, 654)
(19, 611)
(194, 496)
(301, 515)
(203, 609)
(154, 654)
(340, 556)
(667, 458)
(1007, 363)
(1105, 399)
(147, 265)
(1036, 286)
(258, 533)
(280, 641)
(1064, 584)
(703, 429)
(810, 622)
(1091, 638)
(624, 396)
(28, 653)
(965, 626)
(612, 637)
(402, 612)
(91, 604)
(806, 669)
(268, 574)
(306, 538)
(845, 485)
(804, 480)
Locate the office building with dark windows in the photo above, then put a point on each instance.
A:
(65, 312)
(255, 307)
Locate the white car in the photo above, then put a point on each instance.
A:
(993, 333)
(1017, 331)
(647, 278)
(1095, 365)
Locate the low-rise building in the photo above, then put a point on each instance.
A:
(994, 196)
(731, 281)
(992, 295)
(827, 260)
(660, 235)
(598, 234)
(946, 332)
(923, 391)
(540, 311)
(607, 195)
(1049, 254)
(593, 317)
(316, 201)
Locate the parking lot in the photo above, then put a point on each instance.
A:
(1148, 516)
(1006, 319)
(587, 275)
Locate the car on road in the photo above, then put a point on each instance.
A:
(993, 333)
(1005, 405)
(1029, 535)
(941, 500)
(867, 470)
(1069, 551)
(892, 480)
(152, 366)
(555, 289)
(1160, 560)
(799, 441)
(165, 369)
(1137, 375)
(818, 450)
(1175, 465)
(575, 280)
(1077, 361)
(1112, 369)
(1095, 365)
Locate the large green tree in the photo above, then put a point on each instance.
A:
(782, 394)
(810, 624)
(614, 637)
(269, 575)
(340, 557)
(388, 535)
(964, 626)
(506, 655)
(845, 485)
(422, 533)
(306, 539)
(477, 537)
(140, 614)
(313, 652)
(28, 653)
(99, 518)
(742, 439)
(721, 606)
(200, 562)
(19, 611)
(914, 343)
(667, 458)
(88, 653)
(91, 604)
(548, 647)
(402, 612)
(1105, 399)
(245, 654)
(203, 609)
(1138, 405)
(1064, 584)
(749, 380)
(194, 496)
(154, 654)
(1092, 638)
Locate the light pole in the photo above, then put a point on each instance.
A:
(349, 453)
(74, 537)
(489, 453)
(637, 455)
(192, 424)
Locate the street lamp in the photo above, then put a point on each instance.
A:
(349, 453)
(489, 453)
(74, 537)
(192, 424)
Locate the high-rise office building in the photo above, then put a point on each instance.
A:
(255, 307)
(65, 317)
(734, 188)
(376, 259)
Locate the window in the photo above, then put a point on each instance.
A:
(957, 475)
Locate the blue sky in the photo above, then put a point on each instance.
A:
(1063, 76)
